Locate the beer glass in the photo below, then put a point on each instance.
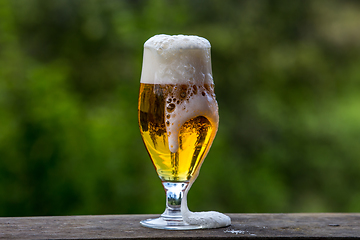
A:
(178, 117)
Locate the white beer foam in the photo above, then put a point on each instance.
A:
(176, 59)
(201, 103)
(210, 219)
(167, 42)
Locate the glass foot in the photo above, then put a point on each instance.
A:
(172, 218)
(170, 224)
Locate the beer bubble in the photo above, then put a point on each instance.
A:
(168, 100)
(170, 108)
(165, 45)
(195, 89)
(183, 94)
(207, 87)
(168, 116)
(190, 69)
(203, 93)
(167, 123)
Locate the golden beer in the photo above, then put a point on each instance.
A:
(157, 102)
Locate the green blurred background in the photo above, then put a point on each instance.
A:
(287, 77)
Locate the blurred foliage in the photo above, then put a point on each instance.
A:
(287, 82)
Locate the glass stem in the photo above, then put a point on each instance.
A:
(175, 192)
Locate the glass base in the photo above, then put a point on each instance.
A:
(169, 224)
(172, 219)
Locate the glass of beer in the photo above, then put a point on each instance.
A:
(178, 117)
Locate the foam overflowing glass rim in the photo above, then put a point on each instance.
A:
(184, 59)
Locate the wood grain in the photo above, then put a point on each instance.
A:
(271, 226)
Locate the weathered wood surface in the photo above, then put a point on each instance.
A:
(315, 226)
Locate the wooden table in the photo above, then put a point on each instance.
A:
(294, 226)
